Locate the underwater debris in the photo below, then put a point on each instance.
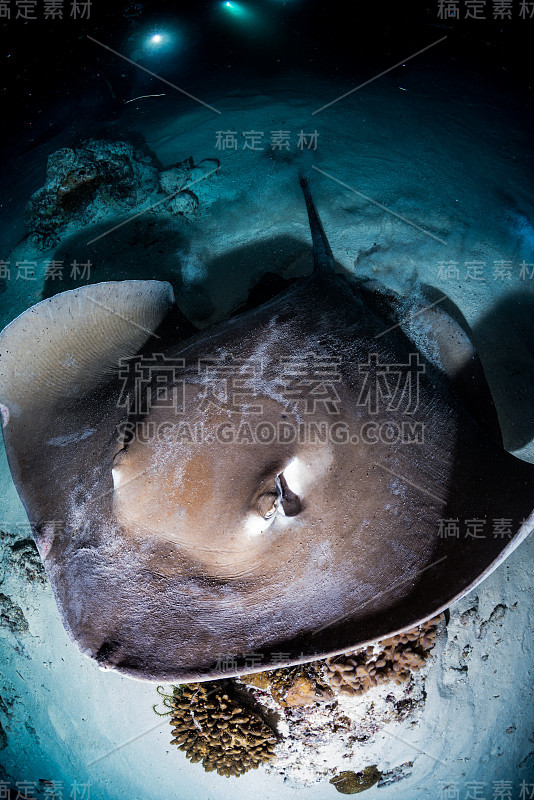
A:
(292, 687)
(357, 671)
(355, 782)
(212, 725)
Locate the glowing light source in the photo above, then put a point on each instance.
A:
(162, 42)
(236, 9)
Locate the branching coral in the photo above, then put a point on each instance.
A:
(212, 726)
(355, 672)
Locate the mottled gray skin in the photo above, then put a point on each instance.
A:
(176, 559)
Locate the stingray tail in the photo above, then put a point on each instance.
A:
(322, 254)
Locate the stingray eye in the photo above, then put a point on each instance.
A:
(268, 504)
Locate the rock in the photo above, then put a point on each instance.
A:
(356, 782)
(180, 176)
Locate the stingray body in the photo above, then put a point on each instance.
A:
(312, 474)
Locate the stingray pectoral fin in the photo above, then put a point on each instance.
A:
(68, 343)
(57, 361)
(460, 361)
(433, 324)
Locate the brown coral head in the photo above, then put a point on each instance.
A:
(213, 727)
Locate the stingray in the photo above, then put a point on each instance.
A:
(319, 471)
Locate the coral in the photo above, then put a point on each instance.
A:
(78, 186)
(351, 673)
(356, 782)
(83, 181)
(305, 691)
(355, 672)
(100, 178)
(261, 680)
(292, 687)
(212, 725)
(216, 723)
